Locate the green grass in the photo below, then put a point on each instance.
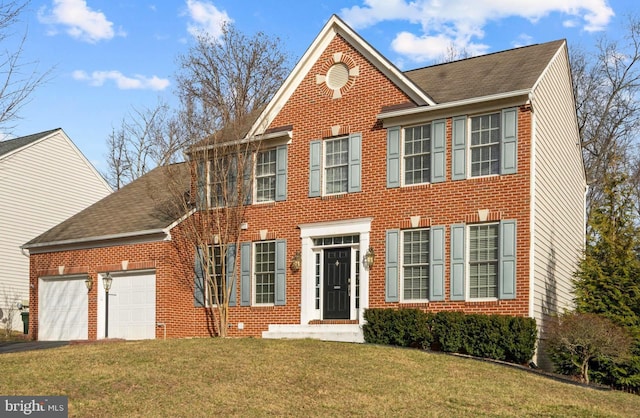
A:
(253, 377)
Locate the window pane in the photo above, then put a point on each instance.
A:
(417, 154)
(483, 261)
(266, 176)
(415, 264)
(336, 166)
(485, 145)
(265, 272)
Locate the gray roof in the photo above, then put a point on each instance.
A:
(149, 203)
(13, 144)
(500, 72)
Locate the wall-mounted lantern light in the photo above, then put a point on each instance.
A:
(369, 258)
(296, 262)
(89, 283)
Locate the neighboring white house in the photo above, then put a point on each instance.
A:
(44, 179)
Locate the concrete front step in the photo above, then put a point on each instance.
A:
(351, 333)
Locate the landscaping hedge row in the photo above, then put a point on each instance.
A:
(499, 337)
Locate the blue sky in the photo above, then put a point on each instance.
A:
(110, 56)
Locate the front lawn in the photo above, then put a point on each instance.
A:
(253, 377)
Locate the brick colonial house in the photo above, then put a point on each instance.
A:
(464, 180)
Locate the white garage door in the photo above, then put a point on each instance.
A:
(132, 307)
(62, 309)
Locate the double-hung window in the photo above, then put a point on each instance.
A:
(215, 273)
(335, 166)
(417, 154)
(415, 264)
(265, 272)
(266, 176)
(485, 145)
(210, 270)
(483, 261)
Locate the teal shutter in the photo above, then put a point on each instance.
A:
(315, 164)
(198, 285)
(438, 150)
(393, 157)
(201, 182)
(509, 143)
(436, 264)
(355, 163)
(247, 182)
(281, 172)
(245, 274)
(392, 265)
(507, 267)
(281, 273)
(230, 273)
(458, 261)
(459, 149)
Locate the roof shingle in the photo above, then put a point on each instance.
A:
(142, 205)
(485, 75)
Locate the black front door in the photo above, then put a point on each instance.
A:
(337, 269)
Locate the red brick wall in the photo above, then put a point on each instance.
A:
(312, 111)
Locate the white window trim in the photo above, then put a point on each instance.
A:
(468, 145)
(468, 264)
(254, 175)
(253, 274)
(403, 156)
(323, 167)
(401, 259)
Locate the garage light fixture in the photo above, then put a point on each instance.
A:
(106, 282)
(89, 283)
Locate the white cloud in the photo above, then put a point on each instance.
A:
(460, 23)
(79, 20)
(522, 40)
(206, 18)
(137, 82)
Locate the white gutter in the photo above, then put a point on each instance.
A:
(98, 238)
(245, 140)
(448, 105)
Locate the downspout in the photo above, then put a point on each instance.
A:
(532, 281)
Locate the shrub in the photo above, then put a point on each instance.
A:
(522, 336)
(401, 327)
(447, 330)
(497, 337)
(484, 336)
(578, 339)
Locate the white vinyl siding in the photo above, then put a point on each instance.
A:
(41, 185)
(558, 193)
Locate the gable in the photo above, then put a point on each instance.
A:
(334, 28)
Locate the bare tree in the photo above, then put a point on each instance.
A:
(18, 79)
(606, 89)
(145, 139)
(223, 85)
(454, 53)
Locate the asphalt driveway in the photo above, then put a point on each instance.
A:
(16, 346)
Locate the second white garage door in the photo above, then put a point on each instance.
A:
(132, 307)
